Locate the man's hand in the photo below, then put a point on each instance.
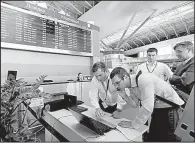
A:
(116, 114)
(183, 76)
(126, 124)
(175, 79)
(99, 112)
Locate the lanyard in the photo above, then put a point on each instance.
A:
(106, 89)
(153, 68)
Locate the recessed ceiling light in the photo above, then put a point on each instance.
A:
(42, 4)
(62, 12)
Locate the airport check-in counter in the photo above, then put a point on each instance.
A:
(79, 89)
(76, 88)
(56, 89)
(70, 129)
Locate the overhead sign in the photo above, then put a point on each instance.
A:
(53, 14)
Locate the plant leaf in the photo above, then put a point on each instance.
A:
(13, 121)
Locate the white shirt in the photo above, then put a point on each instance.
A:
(159, 69)
(148, 86)
(98, 91)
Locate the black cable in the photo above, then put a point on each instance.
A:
(56, 122)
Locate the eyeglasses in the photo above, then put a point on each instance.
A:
(117, 83)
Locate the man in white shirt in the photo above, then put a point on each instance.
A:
(151, 91)
(103, 95)
(152, 66)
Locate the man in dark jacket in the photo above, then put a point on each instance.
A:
(183, 78)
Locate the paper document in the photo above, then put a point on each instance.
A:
(112, 120)
(132, 134)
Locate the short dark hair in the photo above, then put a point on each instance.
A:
(121, 72)
(187, 44)
(79, 73)
(99, 65)
(152, 50)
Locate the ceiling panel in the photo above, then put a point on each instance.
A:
(172, 23)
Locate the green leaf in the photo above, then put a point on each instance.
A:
(20, 110)
(3, 110)
(13, 121)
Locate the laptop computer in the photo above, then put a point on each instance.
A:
(69, 97)
(96, 126)
(73, 99)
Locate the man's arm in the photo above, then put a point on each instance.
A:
(138, 69)
(93, 93)
(188, 76)
(133, 102)
(168, 72)
(147, 96)
(186, 79)
(120, 103)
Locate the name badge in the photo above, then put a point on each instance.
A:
(104, 104)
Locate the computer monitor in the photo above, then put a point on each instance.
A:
(94, 125)
(11, 75)
(68, 101)
(72, 100)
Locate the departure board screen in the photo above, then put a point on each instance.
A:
(21, 28)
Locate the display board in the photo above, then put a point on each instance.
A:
(22, 28)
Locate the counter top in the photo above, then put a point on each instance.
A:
(66, 124)
(61, 82)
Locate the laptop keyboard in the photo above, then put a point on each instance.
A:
(100, 128)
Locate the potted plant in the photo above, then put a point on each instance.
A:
(13, 94)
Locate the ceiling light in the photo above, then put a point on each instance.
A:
(62, 12)
(184, 8)
(42, 4)
(187, 12)
(32, 2)
(157, 18)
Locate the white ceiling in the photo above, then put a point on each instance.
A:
(112, 16)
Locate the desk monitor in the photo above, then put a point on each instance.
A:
(11, 75)
(94, 125)
(70, 100)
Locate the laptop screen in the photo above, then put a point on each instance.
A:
(91, 123)
(70, 100)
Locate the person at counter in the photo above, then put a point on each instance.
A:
(11, 75)
(157, 99)
(183, 77)
(80, 77)
(103, 95)
(152, 66)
